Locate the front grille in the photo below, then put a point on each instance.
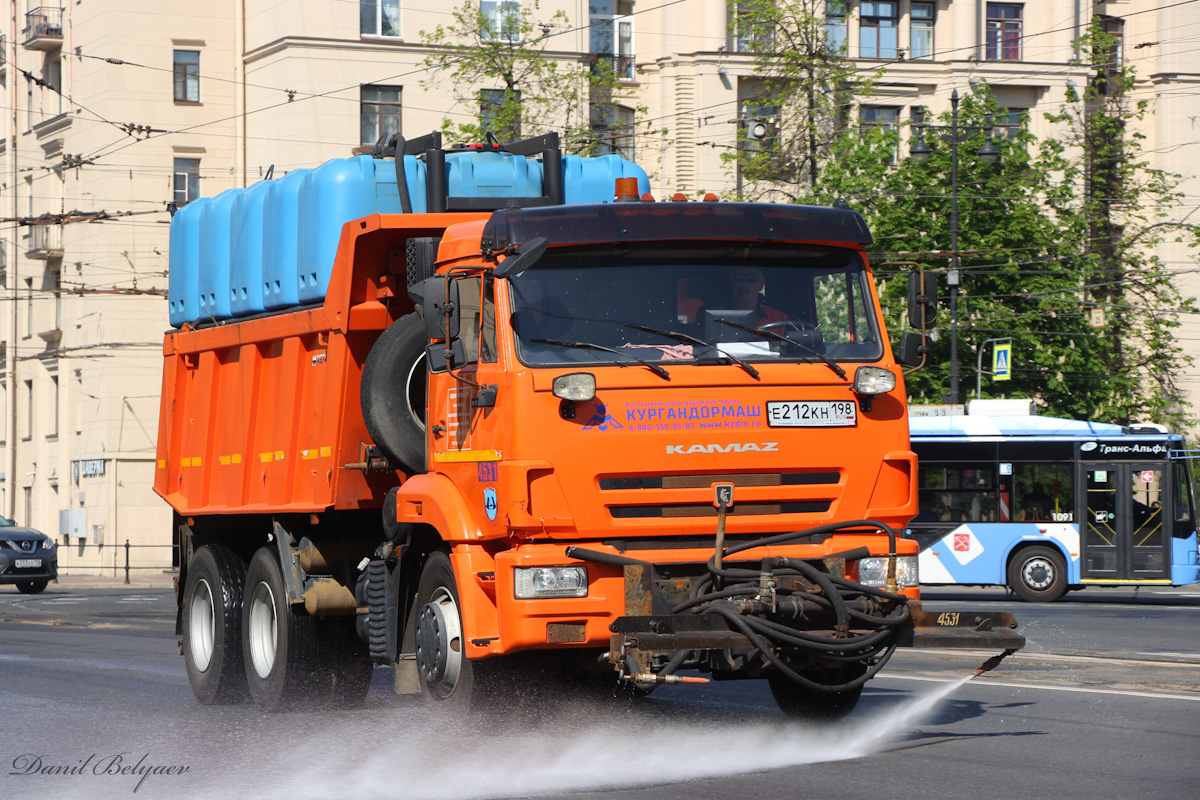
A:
(709, 510)
(21, 545)
(703, 481)
(643, 496)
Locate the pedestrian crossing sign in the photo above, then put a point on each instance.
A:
(1002, 361)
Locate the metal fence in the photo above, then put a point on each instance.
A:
(123, 552)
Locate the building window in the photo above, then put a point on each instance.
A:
(187, 76)
(835, 26)
(187, 180)
(920, 40)
(754, 32)
(54, 406)
(494, 117)
(877, 30)
(379, 17)
(613, 129)
(1003, 32)
(1112, 55)
(501, 20)
(612, 36)
(1007, 122)
(27, 434)
(885, 117)
(379, 112)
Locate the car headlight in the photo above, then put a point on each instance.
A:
(47, 544)
(533, 583)
(873, 571)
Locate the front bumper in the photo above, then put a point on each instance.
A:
(10, 573)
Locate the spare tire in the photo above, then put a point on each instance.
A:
(393, 393)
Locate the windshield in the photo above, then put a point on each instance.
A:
(671, 304)
(5, 522)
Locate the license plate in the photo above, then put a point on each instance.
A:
(812, 414)
(27, 562)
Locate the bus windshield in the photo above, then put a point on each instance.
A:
(692, 304)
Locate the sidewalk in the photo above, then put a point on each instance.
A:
(138, 579)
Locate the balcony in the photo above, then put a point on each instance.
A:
(45, 242)
(43, 29)
(621, 65)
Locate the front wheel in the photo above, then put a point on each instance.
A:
(447, 676)
(32, 587)
(1038, 574)
(798, 701)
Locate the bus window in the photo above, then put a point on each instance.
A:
(1045, 492)
(1184, 504)
(962, 493)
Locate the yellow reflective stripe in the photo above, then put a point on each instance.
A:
(461, 456)
(1157, 581)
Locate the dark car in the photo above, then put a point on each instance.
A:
(28, 558)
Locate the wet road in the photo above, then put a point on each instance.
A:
(1104, 702)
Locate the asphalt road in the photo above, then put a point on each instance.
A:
(1103, 703)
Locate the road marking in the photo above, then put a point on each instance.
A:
(63, 602)
(1055, 657)
(1036, 686)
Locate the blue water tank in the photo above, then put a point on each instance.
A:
(281, 241)
(215, 224)
(333, 194)
(594, 180)
(246, 267)
(475, 173)
(183, 272)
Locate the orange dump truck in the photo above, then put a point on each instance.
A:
(643, 442)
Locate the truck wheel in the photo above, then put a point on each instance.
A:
(212, 626)
(803, 703)
(282, 663)
(32, 587)
(393, 393)
(1038, 574)
(446, 674)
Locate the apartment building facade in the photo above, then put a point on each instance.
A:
(120, 109)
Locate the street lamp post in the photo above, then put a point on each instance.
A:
(921, 153)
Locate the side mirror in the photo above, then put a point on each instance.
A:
(528, 255)
(922, 299)
(440, 307)
(435, 355)
(913, 350)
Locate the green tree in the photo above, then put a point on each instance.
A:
(1055, 229)
(500, 61)
(791, 113)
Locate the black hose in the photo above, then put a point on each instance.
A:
(611, 559)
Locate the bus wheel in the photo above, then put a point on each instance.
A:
(282, 661)
(1038, 574)
(212, 626)
(447, 675)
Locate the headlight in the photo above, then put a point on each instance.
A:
(873, 571)
(578, 386)
(47, 544)
(874, 380)
(533, 583)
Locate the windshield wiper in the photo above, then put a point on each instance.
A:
(841, 373)
(655, 368)
(685, 337)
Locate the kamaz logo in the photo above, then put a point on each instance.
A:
(744, 447)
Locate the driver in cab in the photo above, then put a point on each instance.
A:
(746, 286)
